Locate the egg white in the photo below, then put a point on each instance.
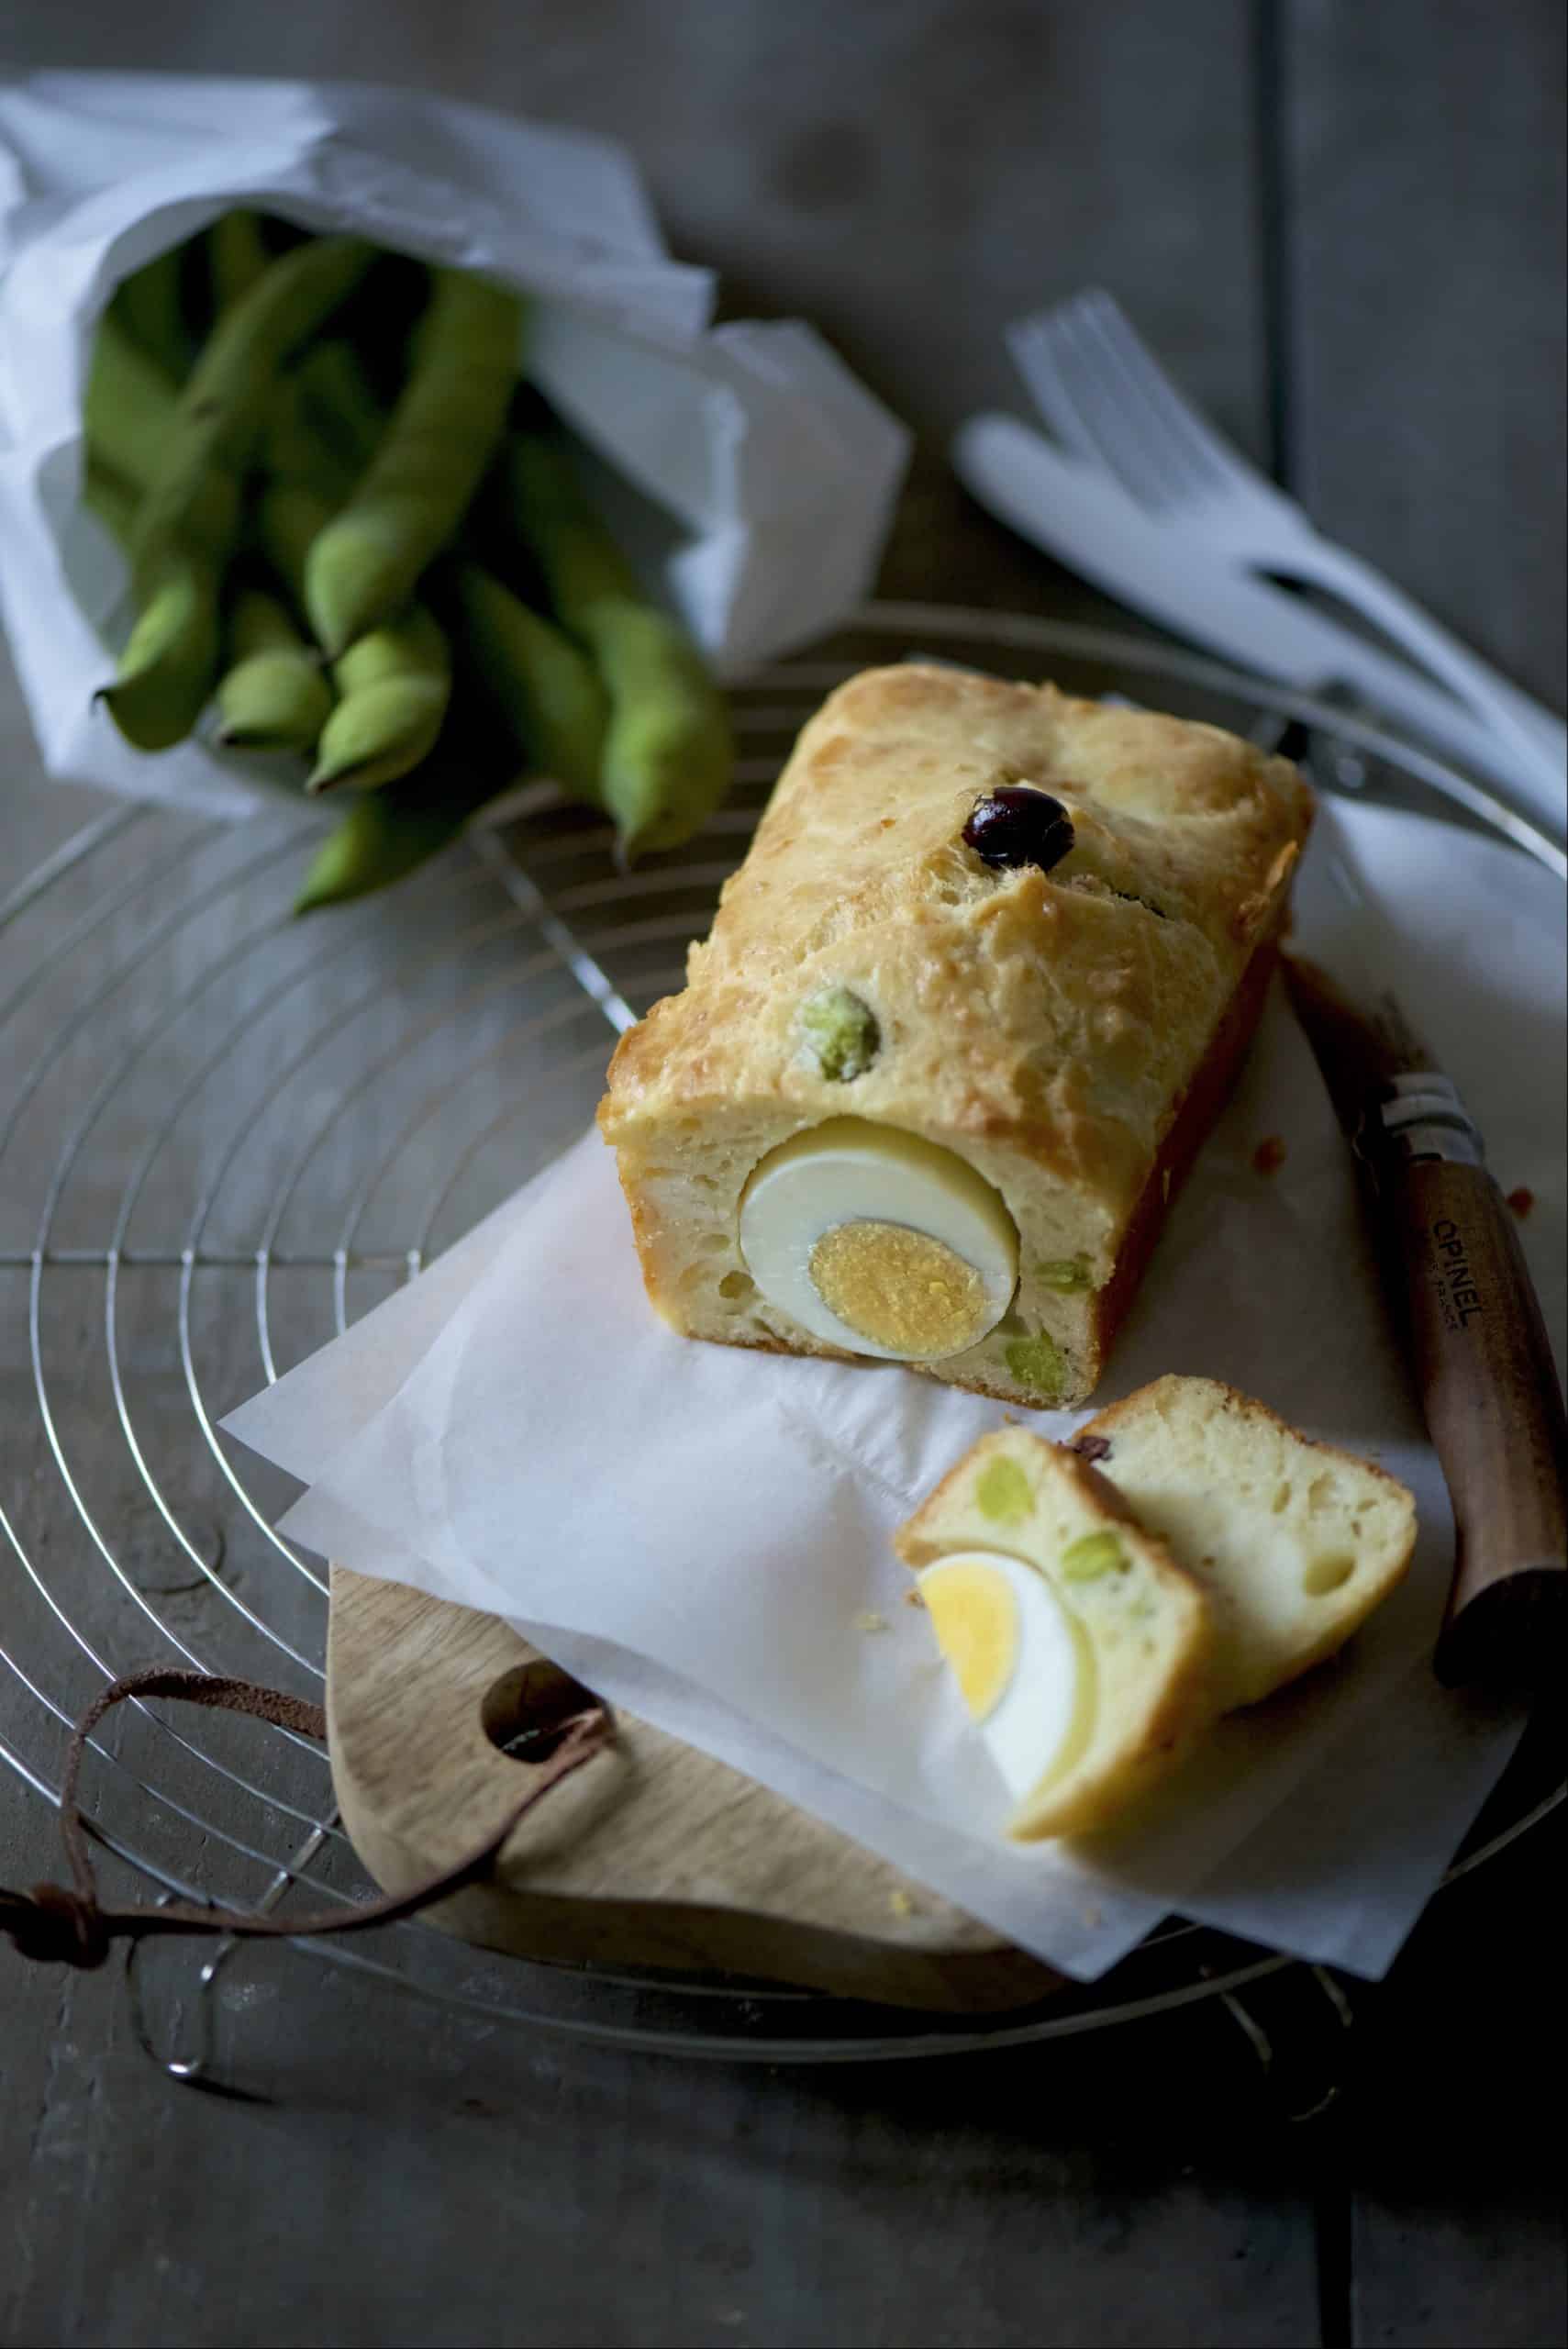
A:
(847, 1171)
(1037, 1720)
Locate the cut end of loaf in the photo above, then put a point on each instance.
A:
(685, 1187)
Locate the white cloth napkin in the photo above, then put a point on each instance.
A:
(703, 1533)
(751, 474)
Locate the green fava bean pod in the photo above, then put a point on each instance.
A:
(165, 674)
(540, 684)
(547, 510)
(150, 307)
(338, 404)
(393, 685)
(290, 515)
(219, 418)
(385, 835)
(326, 422)
(293, 451)
(668, 751)
(170, 619)
(377, 843)
(130, 405)
(237, 256)
(111, 499)
(189, 521)
(274, 695)
(431, 457)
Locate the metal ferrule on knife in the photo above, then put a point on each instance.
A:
(1422, 1117)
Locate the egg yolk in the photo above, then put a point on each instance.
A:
(974, 1614)
(900, 1288)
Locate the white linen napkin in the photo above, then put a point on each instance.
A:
(702, 1532)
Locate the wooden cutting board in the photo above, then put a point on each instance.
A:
(652, 1854)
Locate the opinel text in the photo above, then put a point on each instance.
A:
(1454, 1257)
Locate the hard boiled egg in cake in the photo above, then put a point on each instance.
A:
(1082, 1649)
(1019, 1657)
(879, 1242)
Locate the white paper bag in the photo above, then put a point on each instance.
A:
(777, 469)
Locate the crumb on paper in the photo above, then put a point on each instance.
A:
(1011, 1419)
(1091, 1916)
(912, 1598)
(868, 1620)
(1270, 1154)
(1521, 1200)
(900, 1903)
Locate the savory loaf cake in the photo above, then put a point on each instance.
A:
(1083, 1649)
(1103, 1603)
(966, 1010)
(1293, 1542)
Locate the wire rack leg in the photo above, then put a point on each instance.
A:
(1302, 2060)
(195, 2067)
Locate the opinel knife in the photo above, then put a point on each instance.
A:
(1449, 1256)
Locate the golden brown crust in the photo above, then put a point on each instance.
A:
(1048, 1027)
(1229, 1399)
(1184, 1137)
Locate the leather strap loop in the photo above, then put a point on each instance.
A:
(69, 1926)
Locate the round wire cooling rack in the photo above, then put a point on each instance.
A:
(229, 1134)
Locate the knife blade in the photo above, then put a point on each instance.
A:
(1463, 1300)
(1089, 522)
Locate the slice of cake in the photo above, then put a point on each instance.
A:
(1081, 1648)
(1101, 1604)
(1293, 1542)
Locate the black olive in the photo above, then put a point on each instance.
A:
(1019, 824)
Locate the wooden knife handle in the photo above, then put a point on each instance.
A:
(1489, 1389)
